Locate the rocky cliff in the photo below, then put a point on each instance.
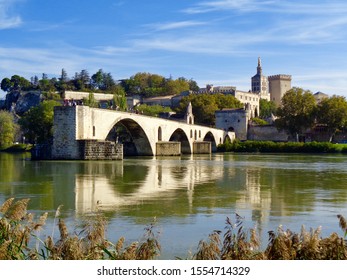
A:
(20, 102)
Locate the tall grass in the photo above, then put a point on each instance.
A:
(238, 244)
(18, 227)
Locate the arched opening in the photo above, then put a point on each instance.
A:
(160, 137)
(209, 137)
(132, 136)
(195, 135)
(231, 129)
(227, 139)
(93, 131)
(180, 136)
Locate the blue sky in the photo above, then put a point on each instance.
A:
(210, 41)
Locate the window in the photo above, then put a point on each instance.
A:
(93, 131)
(159, 134)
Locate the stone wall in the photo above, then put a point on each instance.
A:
(235, 120)
(100, 150)
(65, 145)
(266, 133)
(78, 95)
(168, 148)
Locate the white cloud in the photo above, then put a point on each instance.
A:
(175, 25)
(235, 5)
(6, 19)
(283, 7)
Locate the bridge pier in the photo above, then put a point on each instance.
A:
(168, 148)
(202, 147)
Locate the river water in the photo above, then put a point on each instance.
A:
(188, 196)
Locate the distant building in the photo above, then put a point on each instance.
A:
(235, 120)
(133, 101)
(158, 100)
(249, 100)
(278, 86)
(218, 89)
(319, 96)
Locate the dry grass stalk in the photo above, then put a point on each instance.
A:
(209, 250)
(17, 211)
(6, 205)
(342, 224)
(63, 230)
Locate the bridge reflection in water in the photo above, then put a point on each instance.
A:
(132, 183)
(152, 179)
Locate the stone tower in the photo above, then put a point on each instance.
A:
(278, 86)
(189, 117)
(260, 83)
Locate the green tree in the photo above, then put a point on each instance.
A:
(333, 112)
(152, 110)
(37, 123)
(297, 112)
(6, 85)
(62, 83)
(174, 87)
(8, 129)
(102, 81)
(119, 98)
(193, 86)
(90, 101)
(46, 84)
(205, 105)
(20, 83)
(15, 83)
(267, 108)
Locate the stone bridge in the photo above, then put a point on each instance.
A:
(76, 126)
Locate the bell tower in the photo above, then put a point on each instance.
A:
(260, 84)
(189, 117)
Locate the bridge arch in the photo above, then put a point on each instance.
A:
(209, 137)
(180, 136)
(134, 139)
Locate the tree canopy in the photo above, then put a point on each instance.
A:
(37, 123)
(205, 105)
(266, 108)
(297, 112)
(149, 85)
(333, 112)
(8, 129)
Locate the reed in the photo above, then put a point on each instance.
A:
(239, 244)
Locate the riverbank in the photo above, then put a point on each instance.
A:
(17, 148)
(282, 147)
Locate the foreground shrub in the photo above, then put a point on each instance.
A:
(281, 147)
